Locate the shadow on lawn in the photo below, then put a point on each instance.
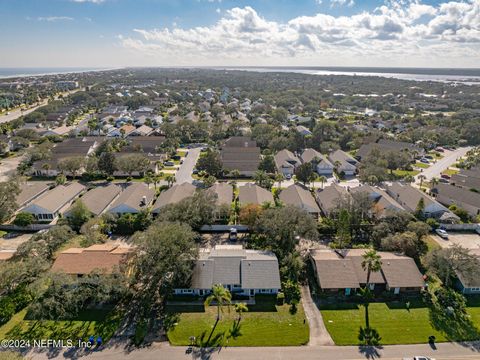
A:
(455, 327)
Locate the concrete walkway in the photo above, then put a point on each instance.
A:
(318, 332)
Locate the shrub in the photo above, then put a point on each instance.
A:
(24, 219)
(434, 224)
(280, 298)
(291, 291)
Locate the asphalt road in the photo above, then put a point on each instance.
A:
(163, 351)
(184, 173)
(14, 114)
(448, 160)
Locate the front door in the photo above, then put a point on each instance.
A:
(252, 292)
(396, 291)
(347, 291)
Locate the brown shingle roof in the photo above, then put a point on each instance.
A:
(104, 257)
(254, 194)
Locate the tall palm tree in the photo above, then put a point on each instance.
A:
(323, 180)
(170, 180)
(433, 183)
(239, 309)
(422, 178)
(221, 296)
(372, 262)
(279, 179)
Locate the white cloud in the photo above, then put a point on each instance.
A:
(218, 10)
(54, 18)
(399, 32)
(342, 3)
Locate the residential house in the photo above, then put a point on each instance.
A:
(254, 194)
(241, 271)
(99, 198)
(409, 197)
(328, 198)
(242, 154)
(127, 129)
(133, 199)
(301, 197)
(286, 162)
(385, 145)
(143, 130)
(344, 163)
(342, 271)
(469, 284)
(106, 258)
(54, 202)
(469, 179)
(174, 195)
(72, 147)
(59, 131)
(30, 191)
(302, 130)
(382, 202)
(452, 195)
(322, 165)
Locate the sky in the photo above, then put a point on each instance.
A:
(116, 33)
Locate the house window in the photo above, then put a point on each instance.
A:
(187, 291)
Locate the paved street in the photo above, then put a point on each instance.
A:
(448, 160)
(163, 351)
(184, 173)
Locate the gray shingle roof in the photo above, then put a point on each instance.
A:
(174, 195)
(30, 190)
(233, 265)
(223, 192)
(286, 159)
(98, 199)
(132, 197)
(53, 200)
(299, 196)
(254, 194)
(328, 197)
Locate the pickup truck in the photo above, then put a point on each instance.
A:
(419, 358)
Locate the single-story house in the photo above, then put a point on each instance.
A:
(31, 190)
(468, 283)
(286, 162)
(302, 130)
(99, 198)
(323, 165)
(240, 153)
(343, 162)
(135, 198)
(468, 179)
(241, 271)
(380, 199)
(385, 145)
(464, 198)
(174, 195)
(54, 202)
(409, 197)
(254, 194)
(300, 196)
(328, 198)
(342, 271)
(106, 258)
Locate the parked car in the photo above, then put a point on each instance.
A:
(195, 171)
(428, 157)
(443, 181)
(168, 163)
(233, 235)
(176, 157)
(439, 149)
(446, 176)
(425, 161)
(288, 176)
(442, 233)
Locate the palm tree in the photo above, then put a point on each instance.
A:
(170, 180)
(433, 183)
(279, 179)
(221, 296)
(422, 178)
(235, 173)
(372, 262)
(239, 309)
(323, 180)
(148, 180)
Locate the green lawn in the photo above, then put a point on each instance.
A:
(266, 325)
(92, 322)
(421, 165)
(405, 172)
(182, 153)
(396, 324)
(450, 172)
(2, 233)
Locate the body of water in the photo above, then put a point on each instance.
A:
(463, 76)
(24, 72)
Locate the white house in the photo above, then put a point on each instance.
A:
(241, 271)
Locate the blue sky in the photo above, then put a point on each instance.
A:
(104, 33)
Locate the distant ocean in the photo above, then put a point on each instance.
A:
(464, 76)
(23, 72)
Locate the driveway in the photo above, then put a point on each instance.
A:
(450, 158)
(318, 333)
(184, 173)
(466, 240)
